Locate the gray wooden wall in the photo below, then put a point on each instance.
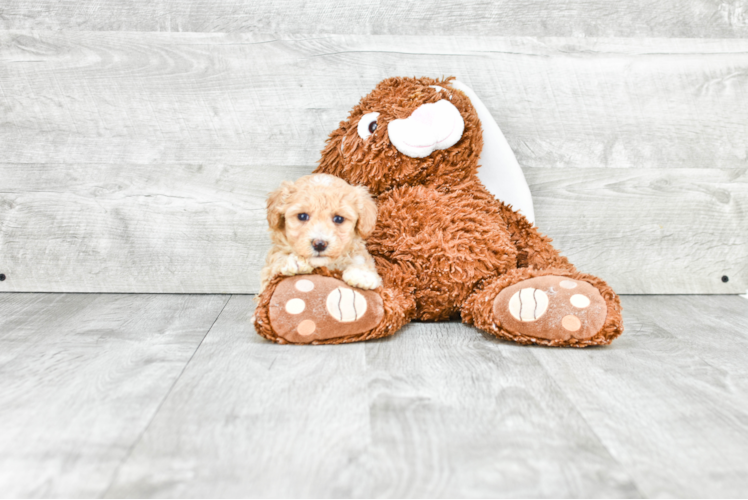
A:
(138, 139)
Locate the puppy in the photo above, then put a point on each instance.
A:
(321, 220)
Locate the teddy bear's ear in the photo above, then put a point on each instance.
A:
(277, 205)
(367, 212)
(499, 170)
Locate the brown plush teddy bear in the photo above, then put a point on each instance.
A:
(444, 246)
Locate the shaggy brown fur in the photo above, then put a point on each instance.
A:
(443, 245)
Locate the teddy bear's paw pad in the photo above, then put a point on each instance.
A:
(305, 309)
(551, 308)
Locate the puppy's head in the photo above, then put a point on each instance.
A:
(320, 216)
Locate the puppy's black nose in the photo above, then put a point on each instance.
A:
(319, 245)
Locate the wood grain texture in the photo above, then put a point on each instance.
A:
(440, 410)
(151, 98)
(669, 402)
(145, 228)
(82, 376)
(457, 414)
(135, 228)
(252, 418)
(691, 18)
(139, 162)
(716, 318)
(437, 410)
(671, 230)
(112, 395)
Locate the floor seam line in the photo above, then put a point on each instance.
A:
(161, 404)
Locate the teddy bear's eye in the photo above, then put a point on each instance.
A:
(303, 217)
(338, 219)
(367, 125)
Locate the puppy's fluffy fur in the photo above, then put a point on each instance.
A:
(320, 211)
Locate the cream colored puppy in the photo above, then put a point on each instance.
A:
(321, 220)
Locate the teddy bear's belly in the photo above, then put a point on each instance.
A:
(438, 247)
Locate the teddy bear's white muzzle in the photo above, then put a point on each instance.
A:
(432, 126)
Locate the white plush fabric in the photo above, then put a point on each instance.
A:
(432, 126)
(500, 172)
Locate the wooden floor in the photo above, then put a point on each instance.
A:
(175, 396)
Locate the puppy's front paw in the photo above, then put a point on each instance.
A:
(362, 278)
(296, 265)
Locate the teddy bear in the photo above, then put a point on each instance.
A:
(445, 247)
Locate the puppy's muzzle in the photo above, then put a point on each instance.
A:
(319, 245)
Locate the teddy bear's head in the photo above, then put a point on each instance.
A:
(407, 131)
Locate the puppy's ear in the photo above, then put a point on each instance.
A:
(367, 212)
(277, 205)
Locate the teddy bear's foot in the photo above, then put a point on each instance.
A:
(313, 308)
(553, 308)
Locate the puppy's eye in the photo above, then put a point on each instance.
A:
(338, 219)
(367, 125)
(303, 217)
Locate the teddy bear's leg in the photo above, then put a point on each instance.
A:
(554, 307)
(320, 308)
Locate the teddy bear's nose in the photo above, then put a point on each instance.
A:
(319, 245)
(429, 127)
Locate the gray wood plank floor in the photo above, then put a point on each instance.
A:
(81, 377)
(175, 396)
